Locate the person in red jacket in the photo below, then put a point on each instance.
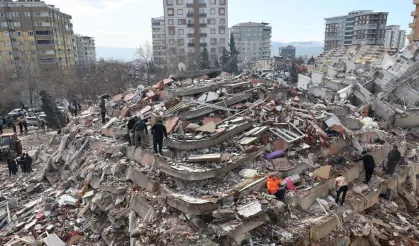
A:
(274, 187)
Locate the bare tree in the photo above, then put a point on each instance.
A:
(144, 57)
(8, 87)
(29, 73)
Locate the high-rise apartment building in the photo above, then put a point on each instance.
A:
(414, 34)
(253, 40)
(191, 25)
(287, 52)
(85, 54)
(33, 31)
(159, 40)
(358, 27)
(394, 38)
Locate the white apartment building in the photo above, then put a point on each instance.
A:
(253, 40)
(159, 41)
(395, 38)
(85, 50)
(191, 25)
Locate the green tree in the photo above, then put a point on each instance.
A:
(234, 53)
(54, 117)
(225, 61)
(311, 61)
(293, 73)
(300, 60)
(204, 63)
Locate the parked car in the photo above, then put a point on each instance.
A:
(31, 120)
(16, 112)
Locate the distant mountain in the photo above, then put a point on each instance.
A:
(122, 54)
(310, 48)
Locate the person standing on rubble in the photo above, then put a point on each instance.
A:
(130, 127)
(103, 110)
(369, 165)
(21, 161)
(393, 158)
(141, 131)
(11, 164)
(158, 131)
(341, 186)
(28, 163)
(274, 187)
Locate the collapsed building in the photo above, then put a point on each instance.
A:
(208, 187)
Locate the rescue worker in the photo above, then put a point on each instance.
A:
(130, 127)
(369, 165)
(21, 161)
(341, 186)
(141, 131)
(275, 188)
(393, 158)
(11, 164)
(2, 123)
(103, 110)
(28, 163)
(20, 125)
(158, 131)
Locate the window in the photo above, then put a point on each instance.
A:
(169, 2)
(202, 31)
(15, 14)
(212, 21)
(27, 14)
(222, 11)
(202, 21)
(222, 21)
(202, 11)
(171, 41)
(181, 22)
(212, 31)
(213, 41)
(43, 33)
(6, 34)
(170, 12)
(181, 41)
(213, 1)
(3, 24)
(179, 2)
(180, 12)
(222, 31)
(45, 41)
(212, 11)
(191, 40)
(222, 2)
(39, 23)
(201, 1)
(180, 31)
(29, 24)
(172, 32)
(16, 24)
(170, 21)
(213, 50)
(181, 51)
(2, 14)
(222, 40)
(8, 43)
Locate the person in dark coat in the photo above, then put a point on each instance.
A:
(21, 161)
(28, 163)
(130, 127)
(25, 125)
(11, 164)
(158, 131)
(21, 126)
(369, 165)
(140, 129)
(393, 158)
(103, 110)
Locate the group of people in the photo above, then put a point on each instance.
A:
(341, 184)
(24, 161)
(138, 131)
(74, 108)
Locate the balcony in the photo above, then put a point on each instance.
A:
(415, 1)
(190, 25)
(203, 44)
(410, 37)
(191, 35)
(190, 15)
(202, 25)
(412, 25)
(203, 35)
(202, 5)
(191, 44)
(189, 5)
(202, 15)
(414, 13)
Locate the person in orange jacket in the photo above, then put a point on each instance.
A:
(274, 187)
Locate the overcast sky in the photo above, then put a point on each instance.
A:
(126, 23)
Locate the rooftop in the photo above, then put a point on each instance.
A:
(251, 24)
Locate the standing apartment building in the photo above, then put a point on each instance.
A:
(85, 55)
(362, 27)
(287, 52)
(33, 31)
(253, 40)
(414, 34)
(394, 38)
(191, 25)
(159, 41)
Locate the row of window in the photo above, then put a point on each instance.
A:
(202, 21)
(179, 12)
(213, 41)
(221, 30)
(180, 2)
(36, 14)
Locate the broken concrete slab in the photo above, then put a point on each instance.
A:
(249, 210)
(205, 158)
(53, 240)
(142, 208)
(191, 205)
(209, 127)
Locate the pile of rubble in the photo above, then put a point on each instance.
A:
(208, 187)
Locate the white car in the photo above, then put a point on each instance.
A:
(16, 112)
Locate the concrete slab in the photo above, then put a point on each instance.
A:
(53, 240)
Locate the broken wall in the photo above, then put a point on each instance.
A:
(304, 82)
(317, 78)
(406, 93)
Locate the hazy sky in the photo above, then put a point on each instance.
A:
(126, 23)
